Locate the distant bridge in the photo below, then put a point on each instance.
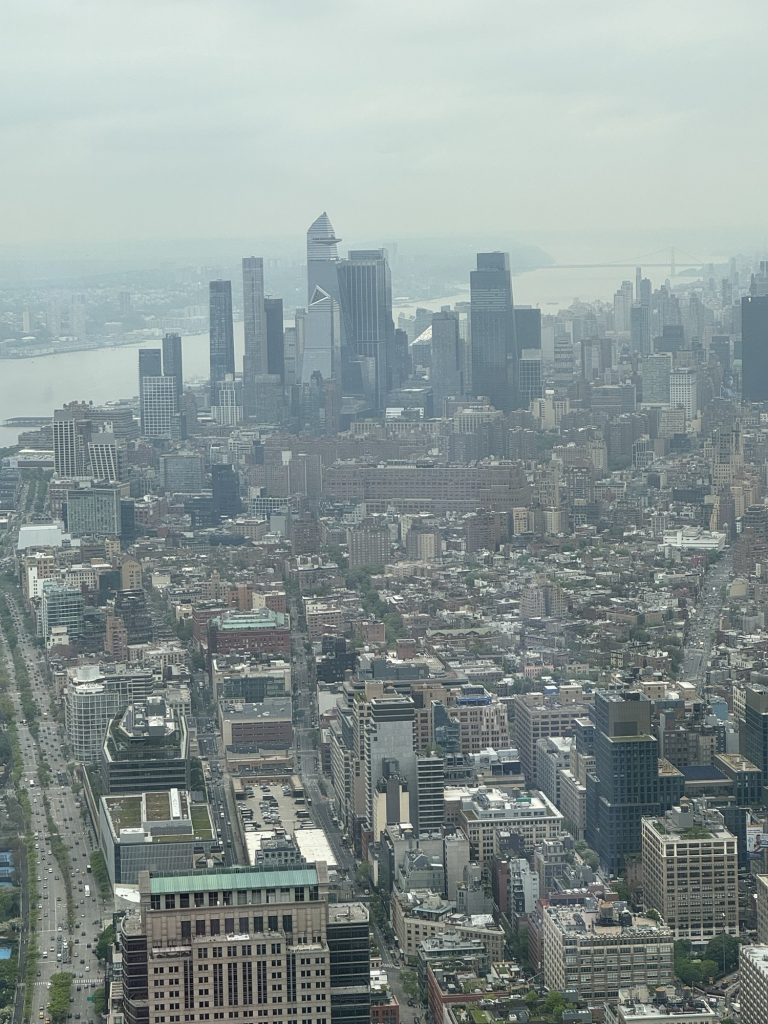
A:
(639, 261)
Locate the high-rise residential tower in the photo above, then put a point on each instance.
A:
(222, 333)
(254, 328)
(492, 317)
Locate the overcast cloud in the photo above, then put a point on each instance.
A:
(133, 119)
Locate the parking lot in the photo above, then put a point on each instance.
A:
(272, 809)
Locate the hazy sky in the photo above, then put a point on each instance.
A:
(133, 119)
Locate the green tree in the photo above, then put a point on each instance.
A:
(724, 950)
(410, 983)
(105, 942)
(99, 1001)
(553, 1005)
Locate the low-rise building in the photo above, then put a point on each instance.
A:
(598, 949)
(487, 811)
(163, 830)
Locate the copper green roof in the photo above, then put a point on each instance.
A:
(216, 881)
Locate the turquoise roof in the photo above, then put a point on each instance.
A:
(215, 881)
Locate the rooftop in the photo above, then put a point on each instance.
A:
(242, 878)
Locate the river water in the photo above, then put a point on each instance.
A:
(35, 387)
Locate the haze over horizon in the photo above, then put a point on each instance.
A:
(576, 126)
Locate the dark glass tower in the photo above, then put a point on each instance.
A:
(754, 737)
(226, 491)
(492, 317)
(273, 310)
(150, 362)
(222, 334)
(754, 348)
(625, 784)
(365, 286)
(172, 364)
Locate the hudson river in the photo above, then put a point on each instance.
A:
(35, 387)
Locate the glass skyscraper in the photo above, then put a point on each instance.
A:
(222, 334)
(492, 317)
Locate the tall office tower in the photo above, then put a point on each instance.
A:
(690, 865)
(322, 339)
(493, 337)
(624, 787)
(150, 363)
(226, 491)
(365, 287)
(72, 429)
(159, 408)
(322, 258)
(273, 310)
(684, 391)
(640, 329)
(222, 332)
(754, 348)
(390, 762)
(655, 371)
(254, 328)
(244, 941)
(445, 365)
(172, 362)
(622, 304)
(430, 793)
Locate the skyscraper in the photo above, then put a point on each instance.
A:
(625, 785)
(322, 258)
(244, 941)
(72, 430)
(226, 491)
(640, 329)
(365, 286)
(172, 362)
(492, 318)
(273, 309)
(150, 362)
(754, 348)
(254, 328)
(445, 364)
(222, 334)
(322, 341)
